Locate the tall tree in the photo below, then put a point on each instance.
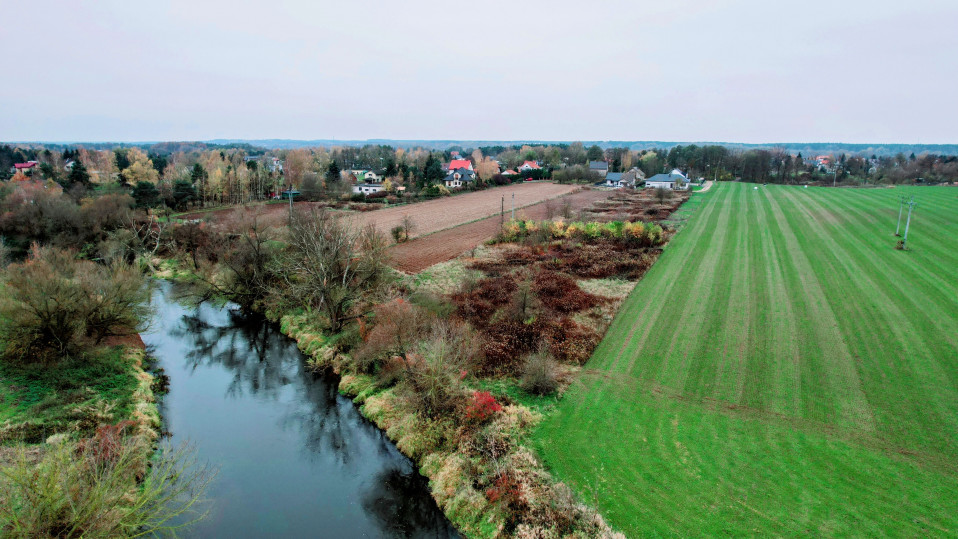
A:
(78, 174)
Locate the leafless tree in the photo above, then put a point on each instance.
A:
(332, 266)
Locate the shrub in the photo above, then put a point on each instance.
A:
(56, 305)
(653, 235)
(433, 376)
(97, 489)
(505, 343)
(592, 230)
(481, 407)
(571, 342)
(539, 375)
(634, 232)
(398, 234)
(561, 293)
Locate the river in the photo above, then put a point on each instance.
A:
(294, 458)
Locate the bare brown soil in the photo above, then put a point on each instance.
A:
(428, 217)
(420, 253)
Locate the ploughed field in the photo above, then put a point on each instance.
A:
(429, 216)
(445, 212)
(422, 252)
(781, 370)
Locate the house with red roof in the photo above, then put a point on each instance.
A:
(26, 168)
(456, 164)
(530, 165)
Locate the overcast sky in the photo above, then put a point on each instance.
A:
(692, 70)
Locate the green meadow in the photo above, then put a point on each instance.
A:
(781, 370)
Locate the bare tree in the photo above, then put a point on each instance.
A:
(332, 266)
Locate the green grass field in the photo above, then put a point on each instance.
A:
(781, 370)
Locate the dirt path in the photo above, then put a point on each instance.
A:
(705, 187)
(423, 252)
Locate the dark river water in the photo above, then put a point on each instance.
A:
(294, 458)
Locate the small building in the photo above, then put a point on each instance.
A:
(367, 188)
(599, 167)
(459, 178)
(510, 172)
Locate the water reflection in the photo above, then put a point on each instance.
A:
(296, 459)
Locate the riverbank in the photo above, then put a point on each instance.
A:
(455, 461)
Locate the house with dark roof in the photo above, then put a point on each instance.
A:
(674, 180)
(599, 167)
(623, 179)
(459, 178)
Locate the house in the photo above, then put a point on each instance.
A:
(371, 176)
(276, 165)
(529, 165)
(674, 180)
(623, 179)
(456, 164)
(367, 188)
(599, 167)
(29, 166)
(68, 166)
(509, 172)
(459, 178)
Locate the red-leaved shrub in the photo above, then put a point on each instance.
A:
(481, 407)
(561, 293)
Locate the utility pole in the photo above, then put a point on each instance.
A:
(911, 205)
(901, 206)
(502, 212)
(514, 207)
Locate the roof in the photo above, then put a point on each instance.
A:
(660, 178)
(509, 172)
(466, 175)
(613, 176)
(460, 163)
(531, 164)
(598, 165)
(28, 164)
(378, 186)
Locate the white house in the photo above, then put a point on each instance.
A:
(530, 165)
(367, 188)
(459, 178)
(674, 180)
(371, 177)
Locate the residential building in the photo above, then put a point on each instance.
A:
(529, 165)
(674, 180)
(456, 164)
(367, 188)
(459, 178)
(599, 167)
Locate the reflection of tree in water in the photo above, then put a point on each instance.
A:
(248, 346)
(396, 500)
(263, 361)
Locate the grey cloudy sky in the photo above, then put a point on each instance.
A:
(738, 71)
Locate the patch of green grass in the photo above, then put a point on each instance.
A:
(781, 370)
(509, 388)
(48, 397)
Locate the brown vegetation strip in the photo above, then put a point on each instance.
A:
(420, 253)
